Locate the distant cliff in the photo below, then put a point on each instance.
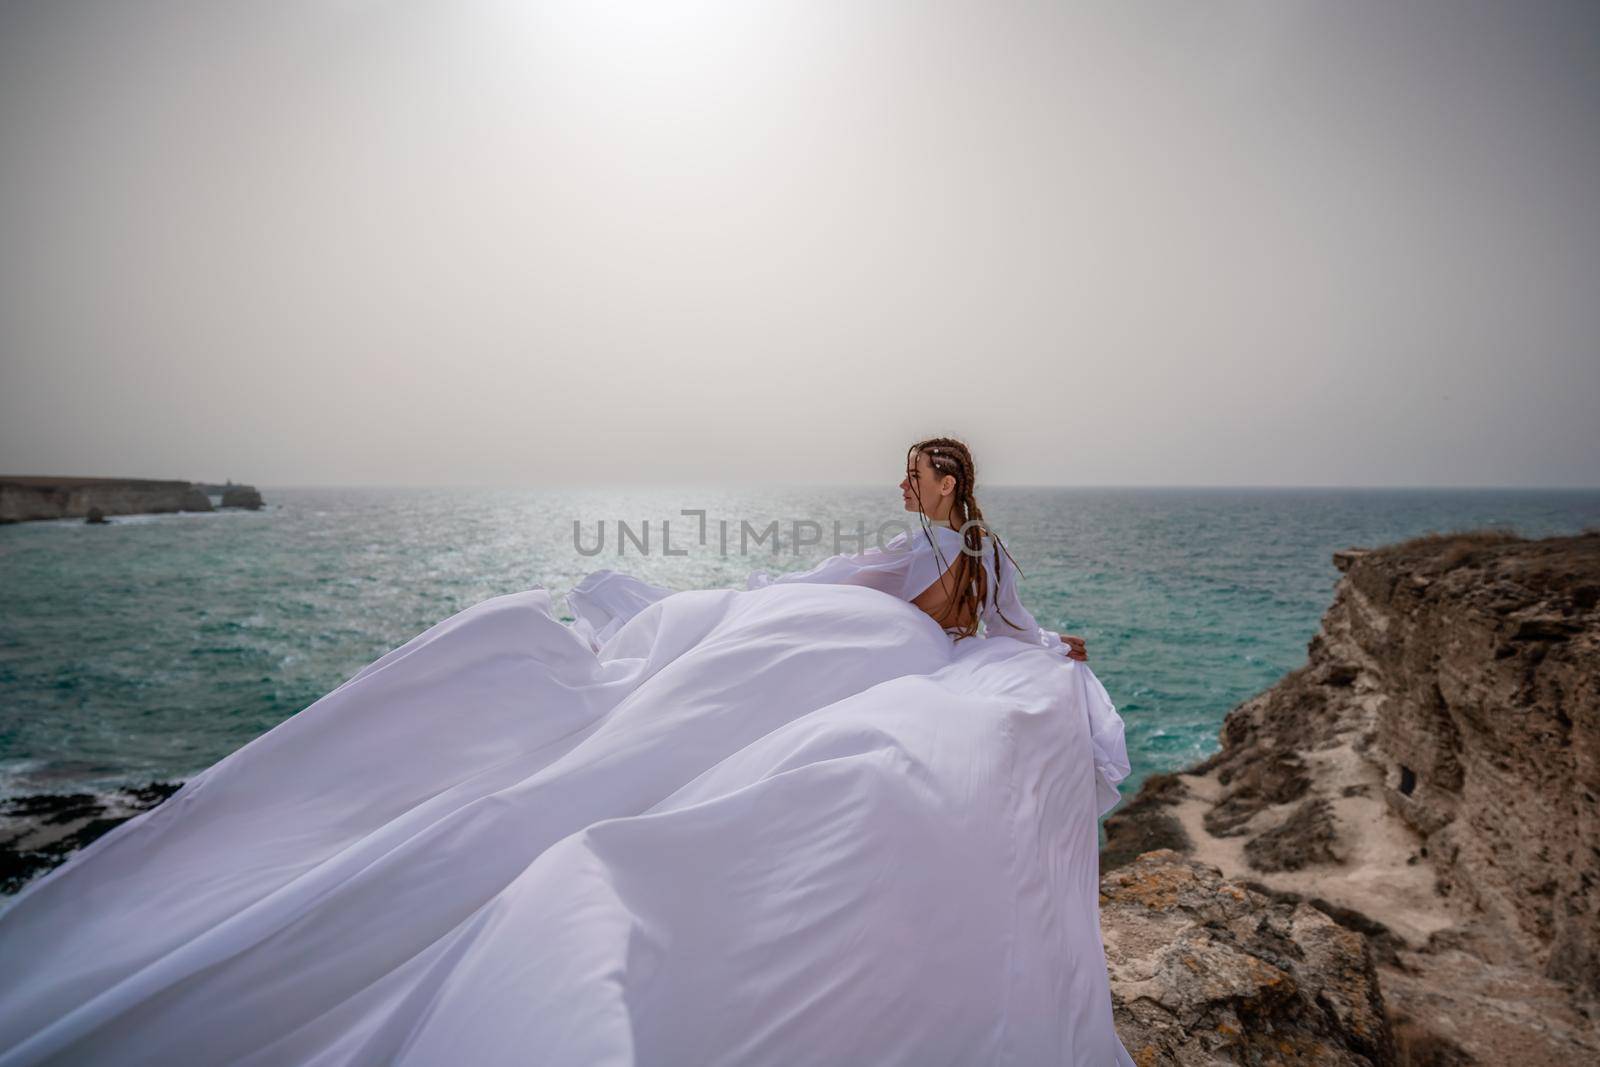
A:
(1430, 778)
(27, 497)
(233, 496)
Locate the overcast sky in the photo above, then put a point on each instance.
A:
(299, 242)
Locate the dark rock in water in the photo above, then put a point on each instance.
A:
(152, 794)
(41, 831)
(95, 516)
(241, 496)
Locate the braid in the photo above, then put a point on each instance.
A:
(949, 455)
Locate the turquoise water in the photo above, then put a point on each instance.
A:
(151, 648)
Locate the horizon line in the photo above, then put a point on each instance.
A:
(874, 485)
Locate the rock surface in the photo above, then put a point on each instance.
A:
(1431, 779)
(1204, 970)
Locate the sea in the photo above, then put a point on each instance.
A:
(149, 648)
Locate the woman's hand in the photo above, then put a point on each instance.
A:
(1075, 647)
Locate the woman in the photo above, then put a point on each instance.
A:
(803, 822)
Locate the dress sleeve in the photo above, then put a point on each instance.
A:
(1022, 625)
(902, 568)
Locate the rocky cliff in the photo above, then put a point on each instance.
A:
(1430, 778)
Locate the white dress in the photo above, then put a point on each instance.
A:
(790, 824)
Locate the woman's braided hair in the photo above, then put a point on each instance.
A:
(947, 455)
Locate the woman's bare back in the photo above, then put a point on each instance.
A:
(935, 600)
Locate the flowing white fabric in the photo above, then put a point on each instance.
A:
(792, 824)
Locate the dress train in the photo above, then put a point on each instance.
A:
(789, 825)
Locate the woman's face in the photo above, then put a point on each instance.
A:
(921, 483)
